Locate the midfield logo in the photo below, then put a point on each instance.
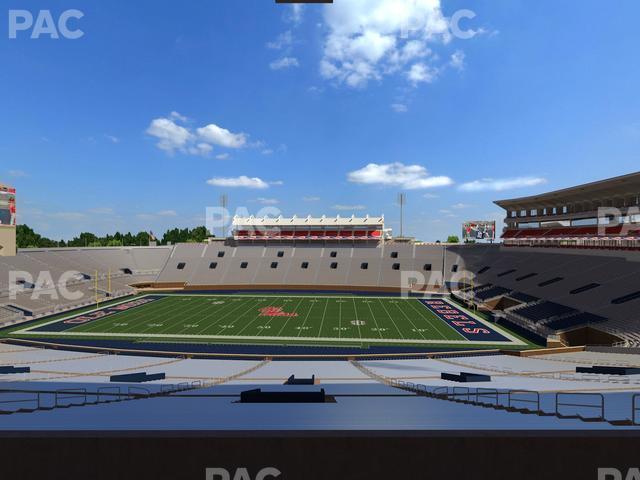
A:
(275, 312)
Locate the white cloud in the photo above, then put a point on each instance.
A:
(222, 156)
(242, 181)
(101, 211)
(430, 195)
(397, 174)
(349, 207)
(368, 39)
(284, 62)
(177, 117)
(498, 185)
(267, 201)
(457, 60)
(284, 40)
(112, 138)
(267, 151)
(421, 73)
(277, 183)
(69, 216)
(201, 148)
(167, 213)
(310, 199)
(460, 206)
(155, 216)
(171, 136)
(295, 14)
(16, 173)
(216, 135)
(399, 107)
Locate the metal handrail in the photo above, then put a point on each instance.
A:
(634, 409)
(102, 391)
(435, 392)
(511, 400)
(487, 393)
(131, 392)
(70, 393)
(462, 391)
(35, 399)
(599, 407)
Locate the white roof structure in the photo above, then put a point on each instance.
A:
(309, 221)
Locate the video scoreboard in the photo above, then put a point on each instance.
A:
(7, 206)
(479, 230)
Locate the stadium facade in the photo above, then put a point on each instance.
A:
(8, 220)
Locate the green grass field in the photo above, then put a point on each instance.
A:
(269, 319)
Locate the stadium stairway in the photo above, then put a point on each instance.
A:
(587, 407)
(30, 397)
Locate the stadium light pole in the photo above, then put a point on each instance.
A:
(224, 201)
(402, 200)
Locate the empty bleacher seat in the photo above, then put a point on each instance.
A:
(492, 292)
(581, 319)
(544, 310)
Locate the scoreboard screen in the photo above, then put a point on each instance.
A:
(7, 206)
(479, 230)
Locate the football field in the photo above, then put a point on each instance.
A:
(278, 319)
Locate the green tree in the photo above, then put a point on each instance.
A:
(27, 238)
(453, 239)
(200, 234)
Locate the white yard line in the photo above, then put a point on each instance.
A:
(295, 310)
(376, 321)
(392, 320)
(441, 321)
(313, 304)
(355, 309)
(324, 314)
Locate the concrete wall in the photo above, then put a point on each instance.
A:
(7, 241)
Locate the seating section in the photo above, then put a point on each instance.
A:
(523, 297)
(492, 292)
(620, 237)
(49, 267)
(368, 234)
(571, 232)
(543, 310)
(579, 320)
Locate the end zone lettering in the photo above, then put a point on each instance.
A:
(464, 324)
(89, 317)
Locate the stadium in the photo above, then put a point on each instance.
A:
(537, 330)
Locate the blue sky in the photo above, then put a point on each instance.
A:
(160, 107)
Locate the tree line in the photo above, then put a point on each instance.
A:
(26, 237)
